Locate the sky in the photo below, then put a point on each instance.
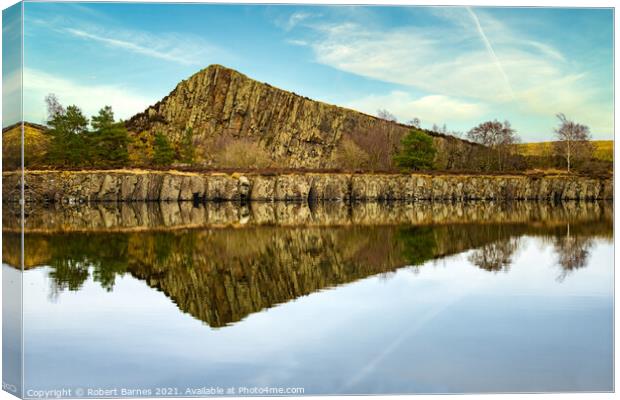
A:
(457, 66)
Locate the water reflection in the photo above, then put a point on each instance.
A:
(173, 215)
(223, 269)
(572, 251)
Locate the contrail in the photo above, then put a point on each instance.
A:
(417, 325)
(487, 44)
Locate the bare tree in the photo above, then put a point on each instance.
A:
(380, 142)
(386, 115)
(349, 155)
(573, 141)
(415, 122)
(453, 154)
(440, 129)
(496, 256)
(573, 252)
(498, 137)
(54, 108)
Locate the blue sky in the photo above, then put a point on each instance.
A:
(458, 66)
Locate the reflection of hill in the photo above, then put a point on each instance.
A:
(222, 275)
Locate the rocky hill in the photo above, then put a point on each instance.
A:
(222, 106)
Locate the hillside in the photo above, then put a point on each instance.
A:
(603, 149)
(222, 109)
(35, 146)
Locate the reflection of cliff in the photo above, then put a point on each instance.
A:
(222, 275)
(166, 216)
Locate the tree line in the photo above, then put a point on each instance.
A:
(572, 149)
(104, 142)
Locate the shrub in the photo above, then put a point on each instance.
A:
(163, 154)
(350, 156)
(243, 153)
(140, 148)
(187, 147)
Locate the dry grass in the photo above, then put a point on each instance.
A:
(36, 144)
(603, 149)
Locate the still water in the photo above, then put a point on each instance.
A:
(426, 298)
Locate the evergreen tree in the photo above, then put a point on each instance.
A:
(68, 129)
(417, 151)
(109, 140)
(163, 154)
(187, 147)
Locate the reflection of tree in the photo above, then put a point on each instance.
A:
(68, 274)
(73, 255)
(573, 252)
(496, 256)
(418, 244)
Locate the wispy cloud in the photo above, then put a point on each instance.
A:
(165, 53)
(490, 49)
(431, 109)
(468, 55)
(185, 49)
(295, 18)
(90, 98)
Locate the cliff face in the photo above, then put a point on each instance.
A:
(295, 131)
(126, 185)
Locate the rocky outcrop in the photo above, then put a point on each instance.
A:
(72, 187)
(295, 131)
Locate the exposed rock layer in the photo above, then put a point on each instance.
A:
(126, 185)
(295, 131)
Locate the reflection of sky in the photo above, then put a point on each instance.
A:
(450, 327)
(11, 327)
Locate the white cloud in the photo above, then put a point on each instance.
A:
(295, 19)
(90, 98)
(469, 56)
(432, 109)
(297, 42)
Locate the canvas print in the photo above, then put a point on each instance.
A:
(294, 200)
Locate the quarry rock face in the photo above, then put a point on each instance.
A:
(72, 187)
(295, 131)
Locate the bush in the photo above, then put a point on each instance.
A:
(163, 154)
(417, 151)
(241, 153)
(350, 156)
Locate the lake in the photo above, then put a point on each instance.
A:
(179, 299)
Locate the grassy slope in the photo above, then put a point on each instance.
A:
(604, 149)
(35, 147)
